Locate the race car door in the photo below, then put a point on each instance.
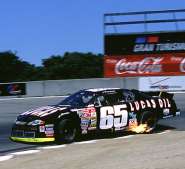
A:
(110, 113)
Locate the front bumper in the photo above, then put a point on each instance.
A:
(32, 134)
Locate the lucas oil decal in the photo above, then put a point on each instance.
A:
(149, 103)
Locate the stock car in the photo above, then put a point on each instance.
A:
(94, 110)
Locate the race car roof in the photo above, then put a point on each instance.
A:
(101, 89)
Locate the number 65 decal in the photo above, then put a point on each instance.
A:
(116, 116)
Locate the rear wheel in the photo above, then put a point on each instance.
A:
(150, 119)
(66, 131)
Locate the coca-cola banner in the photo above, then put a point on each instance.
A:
(145, 65)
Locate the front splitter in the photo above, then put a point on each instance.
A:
(32, 140)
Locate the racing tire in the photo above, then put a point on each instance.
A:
(150, 119)
(66, 131)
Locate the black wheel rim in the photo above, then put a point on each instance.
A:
(66, 132)
(150, 121)
(69, 133)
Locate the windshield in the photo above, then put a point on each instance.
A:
(79, 99)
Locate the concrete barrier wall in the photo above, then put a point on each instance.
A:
(65, 87)
(35, 88)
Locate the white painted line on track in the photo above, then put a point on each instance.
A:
(52, 147)
(86, 142)
(6, 157)
(124, 137)
(164, 132)
(26, 152)
(27, 98)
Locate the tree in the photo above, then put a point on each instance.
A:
(74, 66)
(14, 69)
(70, 66)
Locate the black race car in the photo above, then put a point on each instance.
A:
(94, 110)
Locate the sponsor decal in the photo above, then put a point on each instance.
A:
(42, 129)
(49, 131)
(87, 112)
(92, 125)
(162, 83)
(149, 103)
(13, 89)
(145, 65)
(88, 118)
(171, 42)
(49, 125)
(133, 120)
(132, 115)
(84, 131)
(84, 123)
(150, 39)
(166, 112)
(164, 87)
(150, 44)
(133, 123)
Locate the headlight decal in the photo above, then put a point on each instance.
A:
(35, 123)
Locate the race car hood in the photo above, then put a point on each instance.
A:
(42, 112)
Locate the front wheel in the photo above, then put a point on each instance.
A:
(66, 131)
(150, 120)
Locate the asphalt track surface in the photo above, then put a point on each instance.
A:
(164, 149)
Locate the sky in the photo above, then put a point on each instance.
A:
(37, 29)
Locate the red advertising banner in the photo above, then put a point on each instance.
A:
(145, 65)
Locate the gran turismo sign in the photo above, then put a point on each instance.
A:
(145, 43)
